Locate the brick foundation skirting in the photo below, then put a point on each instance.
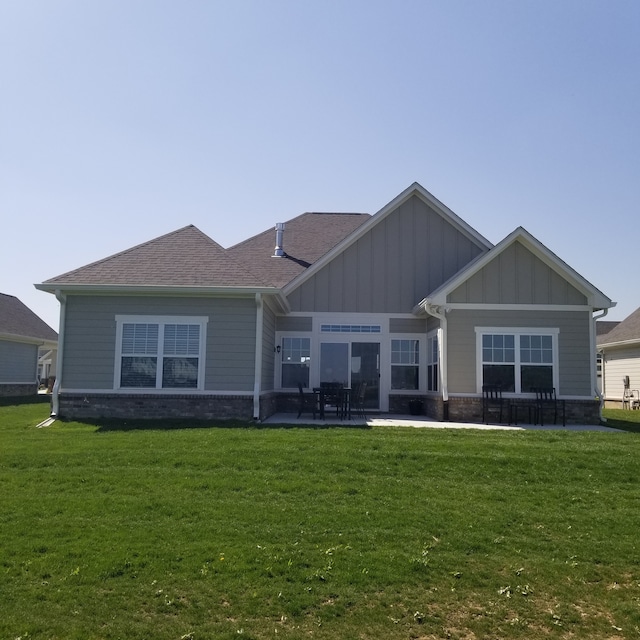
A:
(146, 406)
(19, 389)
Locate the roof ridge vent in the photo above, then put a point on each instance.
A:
(278, 252)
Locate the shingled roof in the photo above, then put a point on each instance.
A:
(306, 239)
(16, 319)
(186, 257)
(627, 331)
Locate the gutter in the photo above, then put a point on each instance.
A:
(55, 405)
(599, 395)
(257, 374)
(440, 312)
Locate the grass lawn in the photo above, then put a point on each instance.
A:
(185, 532)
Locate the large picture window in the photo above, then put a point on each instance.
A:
(405, 364)
(160, 353)
(518, 360)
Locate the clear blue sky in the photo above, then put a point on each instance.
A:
(122, 120)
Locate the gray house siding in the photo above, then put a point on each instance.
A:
(395, 264)
(294, 323)
(268, 344)
(573, 345)
(516, 276)
(18, 362)
(407, 325)
(91, 329)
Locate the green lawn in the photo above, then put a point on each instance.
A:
(177, 531)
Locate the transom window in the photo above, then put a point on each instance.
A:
(160, 353)
(350, 328)
(518, 360)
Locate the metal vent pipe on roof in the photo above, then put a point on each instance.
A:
(279, 251)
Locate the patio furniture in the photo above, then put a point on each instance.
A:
(334, 394)
(631, 399)
(307, 401)
(358, 400)
(491, 401)
(546, 400)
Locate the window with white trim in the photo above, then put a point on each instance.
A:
(518, 360)
(296, 360)
(405, 364)
(432, 363)
(160, 352)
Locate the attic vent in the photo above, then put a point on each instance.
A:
(279, 251)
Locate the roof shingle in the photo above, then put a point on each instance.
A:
(18, 320)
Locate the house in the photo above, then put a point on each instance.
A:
(411, 300)
(22, 335)
(619, 353)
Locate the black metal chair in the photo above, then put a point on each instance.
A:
(306, 401)
(333, 395)
(491, 401)
(546, 399)
(358, 400)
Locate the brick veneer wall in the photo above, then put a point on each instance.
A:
(469, 409)
(144, 406)
(19, 389)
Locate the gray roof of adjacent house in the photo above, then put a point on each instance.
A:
(16, 319)
(189, 258)
(605, 326)
(626, 331)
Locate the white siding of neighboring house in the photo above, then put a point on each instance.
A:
(618, 363)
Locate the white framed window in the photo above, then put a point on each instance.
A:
(518, 360)
(295, 362)
(405, 364)
(432, 363)
(160, 352)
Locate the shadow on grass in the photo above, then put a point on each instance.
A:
(108, 424)
(11, 401)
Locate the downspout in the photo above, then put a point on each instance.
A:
(440, 313)
(594, 372)
(55, 404)
(257, 379)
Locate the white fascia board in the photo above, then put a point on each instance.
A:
(415, 189)
(12, 337)
(634, 342)
(110, 289)
(596, 299)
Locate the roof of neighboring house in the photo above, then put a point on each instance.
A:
(604, 326)
(306, 239)
(16, 319)
(626, 331)
(186, 257)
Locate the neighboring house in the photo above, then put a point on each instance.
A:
(602, 327)
(22, 335)
(619, 352)
(411, 300)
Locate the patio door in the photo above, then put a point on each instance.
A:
(352, 363)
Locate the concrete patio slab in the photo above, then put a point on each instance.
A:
(389, 420)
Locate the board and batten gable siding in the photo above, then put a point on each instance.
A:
(90, 334)
(574, 345)
(409, 253)
(517, 276)
(18, 362)
(618, 363)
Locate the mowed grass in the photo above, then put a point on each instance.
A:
(201, 531)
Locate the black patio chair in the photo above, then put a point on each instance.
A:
(358, 400)
(546, 399)
(491, 401)
(307, 401)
